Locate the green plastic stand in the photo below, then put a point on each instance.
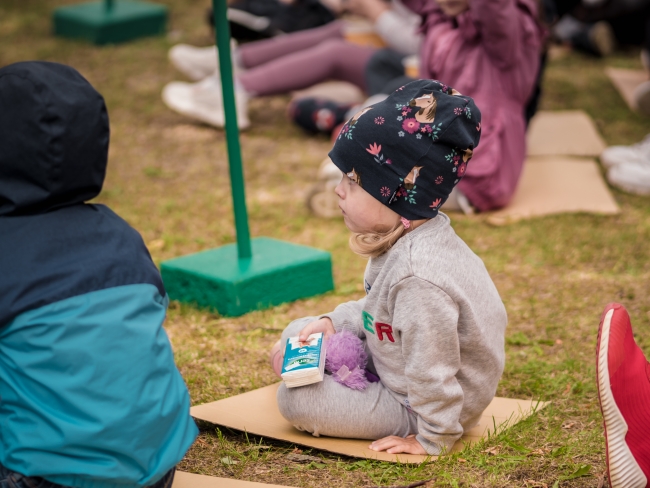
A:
(110, 21)
(252, 274)
(277, 272)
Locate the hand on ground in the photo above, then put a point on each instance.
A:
(323, 325)
(395, 445)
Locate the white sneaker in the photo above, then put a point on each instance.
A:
(203, 101)
(457, 202)
(638, 153)
(632, 177)
(198, 63)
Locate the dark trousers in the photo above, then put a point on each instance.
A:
(11, 479)
(630, 20)
(385, 72)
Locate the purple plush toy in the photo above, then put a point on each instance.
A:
(346, 359)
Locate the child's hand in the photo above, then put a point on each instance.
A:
(395, 445)
(323, 325)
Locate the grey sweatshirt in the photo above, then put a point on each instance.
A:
(434, 324)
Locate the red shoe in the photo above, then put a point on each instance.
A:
(623, 376)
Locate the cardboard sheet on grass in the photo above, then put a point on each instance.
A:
(190, 480)
(256, 412)
(564, 133)
(625, 81)
(557, 184)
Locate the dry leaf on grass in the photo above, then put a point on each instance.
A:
(536, 452)
(425, 483)
(493, 450)
(257, 448)
(304, 458)
(156, 244)
(535, 484)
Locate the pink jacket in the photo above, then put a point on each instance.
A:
(490, 52)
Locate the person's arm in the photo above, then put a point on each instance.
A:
(428, 11)
(428, 319)
(398, 27)
(393, 22)
(348, 316)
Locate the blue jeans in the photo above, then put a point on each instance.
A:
(11, 479)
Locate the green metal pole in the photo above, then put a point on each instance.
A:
(232, 131)
(109, 5)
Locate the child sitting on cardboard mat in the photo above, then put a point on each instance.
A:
(432, 320)
(89, 393)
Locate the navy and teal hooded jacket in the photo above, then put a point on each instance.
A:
(89, 393)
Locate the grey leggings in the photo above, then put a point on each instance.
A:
(331, 409)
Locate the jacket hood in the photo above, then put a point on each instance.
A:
(54, 137)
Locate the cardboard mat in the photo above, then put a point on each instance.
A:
(256, 412)
(189, 480)
(565, 133)
(625, 81)
(558, 184)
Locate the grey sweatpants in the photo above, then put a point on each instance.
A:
(331, 409)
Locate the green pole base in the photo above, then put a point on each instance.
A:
(124, 21)
(278, 272)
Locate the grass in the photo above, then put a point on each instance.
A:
(169, 179)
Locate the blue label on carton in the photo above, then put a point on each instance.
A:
(302, 355)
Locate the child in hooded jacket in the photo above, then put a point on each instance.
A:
(489, 50)
(90, 396)
(432, 320)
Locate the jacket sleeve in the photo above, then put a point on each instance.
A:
(348, 316)
(428, 320)
(501, 25)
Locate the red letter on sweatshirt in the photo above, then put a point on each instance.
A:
(384, 329)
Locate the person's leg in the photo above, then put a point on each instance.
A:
(457, 202)
(629, 27)
(331, 409)
(166, 481)
(623, 378)
(384, 66)
(261, 52)
(12, 479)
(332, 59)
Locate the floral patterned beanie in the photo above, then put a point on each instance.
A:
(410, 150)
